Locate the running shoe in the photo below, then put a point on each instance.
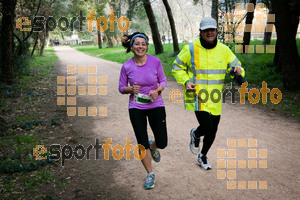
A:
(154, 153)
(202, 162)
(150, 180)
(194, 143)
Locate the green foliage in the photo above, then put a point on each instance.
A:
(139, 17)
(20, 133)
(60, 184)
(259, 68)
(21, 65)
(19, 157)
(40, 68)
(12, 188)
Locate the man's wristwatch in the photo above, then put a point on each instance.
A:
(158, 91)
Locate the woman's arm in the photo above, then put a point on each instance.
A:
(162, 81)
(123, 82)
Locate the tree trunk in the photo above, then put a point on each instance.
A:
(268, 35)
(202, 8)
(276, 57)
(286, 22)
(172, 25)
(154, 29)
(46, 29)
(21, 49)
(35, 43)
(247, 35)
(214, 9)
(7, 60)
(23, 39)
(110, 43)
(117, 39)
(99, 40)
(43, 42)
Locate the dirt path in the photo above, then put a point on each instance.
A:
(177, 175)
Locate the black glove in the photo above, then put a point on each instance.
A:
(238, 78)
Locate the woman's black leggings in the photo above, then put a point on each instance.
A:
(157, 121)
(208, 128)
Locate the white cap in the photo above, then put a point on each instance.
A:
(208, 22)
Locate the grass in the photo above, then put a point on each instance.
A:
(258, 66)
(20, 127)
(40, 67)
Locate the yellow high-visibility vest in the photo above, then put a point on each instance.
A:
(207, 69)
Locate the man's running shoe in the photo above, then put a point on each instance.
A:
(154, 153)
(150, 180)
(194, 143)
(202, 161)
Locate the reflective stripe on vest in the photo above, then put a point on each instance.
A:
(210, 71)
(195, 64)
(234, 63)
(193, 69)
(175, 67)
(207, 82)
(179, 61)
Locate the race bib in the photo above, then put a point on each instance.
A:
(142, 98)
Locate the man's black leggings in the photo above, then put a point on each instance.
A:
(157, 121)
(208, 128)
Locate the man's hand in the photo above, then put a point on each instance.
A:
(190, 87)
(238, 70)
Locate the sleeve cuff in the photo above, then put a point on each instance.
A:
(186, 82)
(121, 90)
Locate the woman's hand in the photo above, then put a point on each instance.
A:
(153, 94)
(135, 88)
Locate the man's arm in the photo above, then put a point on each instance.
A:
(233, 61)
(180, 66)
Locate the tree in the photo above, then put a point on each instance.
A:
(100, 12)
(7, 50)
(172, 25)
(268, 33)
(154, 29)
(286, 52)
(249, 19)
(132, 5)
(227, 23)
(187, 17)
(214, 9)
(22, 9)
(47, 11)
(35, 43)
(137, 16)
(99, 39)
